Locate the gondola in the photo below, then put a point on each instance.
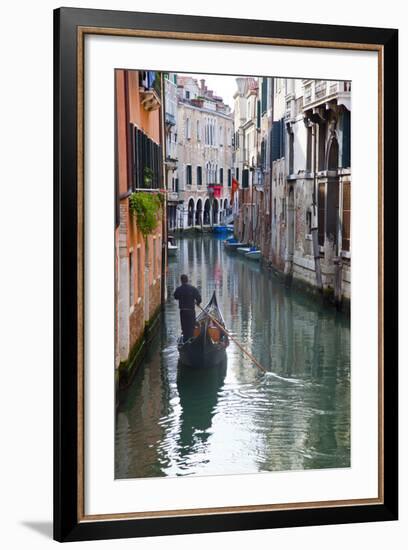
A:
(207, 346)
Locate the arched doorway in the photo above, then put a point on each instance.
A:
(199, 212)
(190, 213)
(215, 210)
(206, 220)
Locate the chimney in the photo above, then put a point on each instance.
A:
(202, 82)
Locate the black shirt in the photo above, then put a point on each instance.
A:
(187, 295)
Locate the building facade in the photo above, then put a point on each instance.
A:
(138, 273)
(201, 184)
(296, 204)
(171, 130)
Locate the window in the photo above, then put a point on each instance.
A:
(220, 139)
(188, 129)
(140, 272)
(258, 114)
(146, 161)
(188, 174)
(264, 95)
(199, 175)
(345, 161)
(308, 222)
(309, 149)
(221, 176)
(187, 94)
(321, 213)
(322, 145)
(131, 280)
(237, 174)
(291, 151)
(245, 178)
(229, 177)
(198, 131)
(346, 216)
(154, 266)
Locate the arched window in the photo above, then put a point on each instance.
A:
(333, 156)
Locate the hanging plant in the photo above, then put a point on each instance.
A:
(145, 206)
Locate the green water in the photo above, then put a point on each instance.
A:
(174, 422)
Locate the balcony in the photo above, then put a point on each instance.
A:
(170, 119)
(317, 92)
(173, 196)
(149, 99)
(149, 90)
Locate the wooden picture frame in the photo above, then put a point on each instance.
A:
(70, 27)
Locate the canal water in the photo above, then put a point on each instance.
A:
(233, 420)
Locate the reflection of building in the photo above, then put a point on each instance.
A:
(204, 156)
(139, 169)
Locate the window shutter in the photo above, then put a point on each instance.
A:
(264, 95)
(258, 114)
(275, 140)
(345, 157)
(282, 138)
(245, 178)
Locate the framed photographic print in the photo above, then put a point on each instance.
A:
(225, 274)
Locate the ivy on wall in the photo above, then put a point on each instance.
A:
(146, 206)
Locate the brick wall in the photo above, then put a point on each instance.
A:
(136, 324)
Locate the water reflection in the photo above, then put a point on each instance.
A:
(236, 420)
(198, 391)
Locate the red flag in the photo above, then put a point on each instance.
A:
(234, 188)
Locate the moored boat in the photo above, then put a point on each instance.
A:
(208, 344)
(232, 244)
(220, 228)
(243, 250)
(172, 248)
(253, 255)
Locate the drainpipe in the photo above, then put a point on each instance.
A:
(315, 237)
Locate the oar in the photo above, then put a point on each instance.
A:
(263, 369)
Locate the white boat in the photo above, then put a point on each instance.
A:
(232, 244)
(253, 255)
(172, 248)
(243, 250)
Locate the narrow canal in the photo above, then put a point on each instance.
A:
(174, 422)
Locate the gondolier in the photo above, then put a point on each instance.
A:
(187, 296)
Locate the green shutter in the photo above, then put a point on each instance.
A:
(264, 92)
(276, 140)
(345, 154)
